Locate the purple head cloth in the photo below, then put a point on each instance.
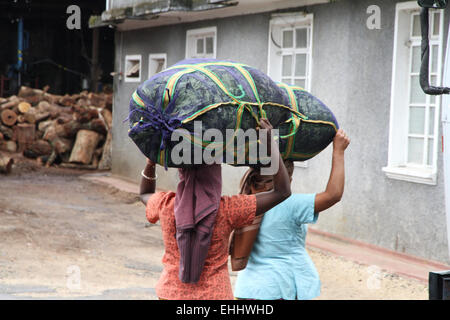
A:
(196, 204)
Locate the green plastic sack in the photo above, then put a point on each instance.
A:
(225, 95)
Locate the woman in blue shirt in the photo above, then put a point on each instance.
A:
(279, 266)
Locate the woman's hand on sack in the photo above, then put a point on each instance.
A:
(264, 123)
(150, 162)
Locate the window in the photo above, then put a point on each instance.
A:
(414, 123)
(290, 45)
(133, 68)
(201, 43)
(157, 62)
(290, 52)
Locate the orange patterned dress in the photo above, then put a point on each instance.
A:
(214, 284)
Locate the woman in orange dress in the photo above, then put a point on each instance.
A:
(196, 223)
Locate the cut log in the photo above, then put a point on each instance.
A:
(37, 149)
(83, 103)
(27, 91)
(68, 130)
(98, 100)
(98, 152)
(25, 135)
(106, 159)
(13, 101)
(41, 160)
(5, 164)
(32, 96)
(107, 116)
(34, 100)
(24, 107)
(41, 116)
(71, 128)
(85, 145)
(51, 159)
(109, 102)
(9, 117)
(43, 106)
(9, 146)
(84, 114)
(64, 118)
(97, 125)
(95, 161)
(50, 131)
(65, 109)
(42, 126)
(7, 132)
(51, 98)
(62, 145)
(38, 135)
(30, 117)
(53, 109)
(66, 101)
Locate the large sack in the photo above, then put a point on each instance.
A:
(225, 95)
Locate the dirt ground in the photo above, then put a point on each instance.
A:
(63, 237)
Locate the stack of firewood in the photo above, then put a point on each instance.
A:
(71, 130)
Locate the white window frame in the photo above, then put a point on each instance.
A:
(133, 57)
(398, 166)
(279, 23)
(156, 56)
(191, 41)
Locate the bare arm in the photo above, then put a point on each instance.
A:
(147, 187)
(281, 181)
(335, 187)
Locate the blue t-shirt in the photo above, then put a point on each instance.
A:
(279, 266)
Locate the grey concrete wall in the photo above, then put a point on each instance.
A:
(351, 73)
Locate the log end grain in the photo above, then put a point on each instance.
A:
(8, 117)
(24, 107)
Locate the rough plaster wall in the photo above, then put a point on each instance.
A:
(352, 69)
(352, 72)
